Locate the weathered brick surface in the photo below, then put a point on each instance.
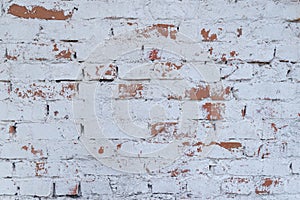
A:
(221, 78)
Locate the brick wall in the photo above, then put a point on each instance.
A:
(150, 99)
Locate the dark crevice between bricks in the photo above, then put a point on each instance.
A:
(81, 130)
(260, 63)
(53, 190)
(294, 20)
(73, 41)
(47, 110)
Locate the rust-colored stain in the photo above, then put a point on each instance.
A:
(66, 54)
(233, 53)
(35, 152)
(243, 111)
(223, 58)
(101, 150)
(39, 59)
(153, 55)
(190, 154)
(198, 93)
(9, 57)
(164, 127)
(166, 30)
(55, 48)
(214, 110)
(207, 37)
(12, 130)
(186, 144)
(119, 146)
(130, 90)
(176, 172)
(132, 23)
(55, 113)
(268, 182)
(74, 191)
(38, 12)
(230, 145)
(239, 32)
(273, 125)
(210, 50)
(25, 147)
(257, 191)
(40, 169)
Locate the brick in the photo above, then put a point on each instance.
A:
(42, 187)
(8, 187)
(6, 169)
(196, 186)
(67, 187)
(146, 75)
(237, 185)
(169, 185)
(91, 186)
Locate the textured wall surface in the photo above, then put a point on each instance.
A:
(149, 99)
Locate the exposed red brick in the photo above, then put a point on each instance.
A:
(9, 57)
(267, 182)
(38, 12)
(198, 93)
(220, 93)
(257, 191)
(130, 90)
(35, 152)
(40, 168)
(166, 30)
(164, 127)
(207, 37)
(153, 55)
(230, 145)
(214, 110)
(265, 187)
(64, 54)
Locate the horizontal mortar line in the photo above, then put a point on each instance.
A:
(71, 40)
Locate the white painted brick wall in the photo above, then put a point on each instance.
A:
(69, 69)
